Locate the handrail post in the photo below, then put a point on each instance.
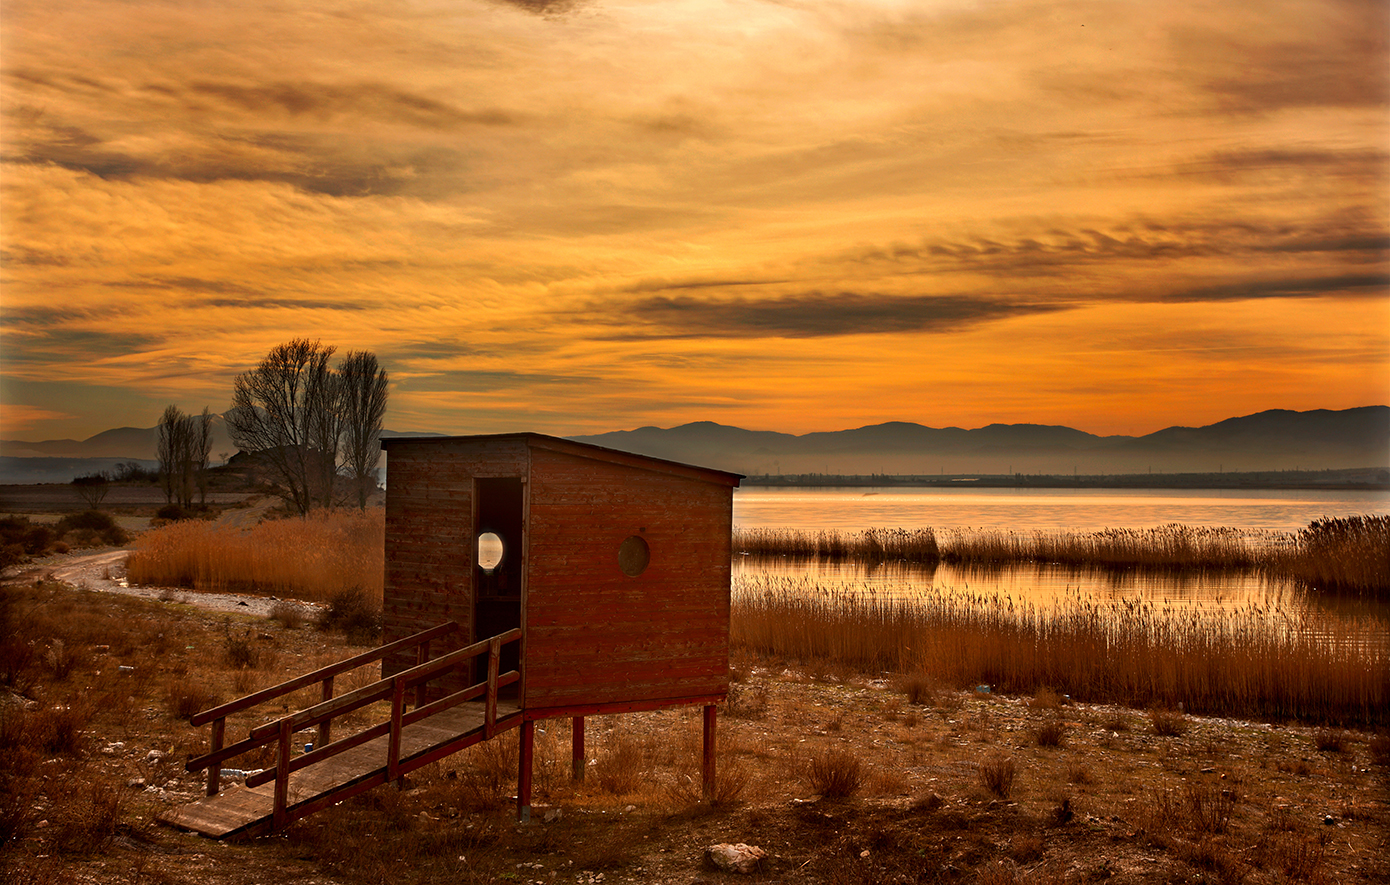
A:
(393, 758)
(326, 726)
(219, 730)
(577, 750)
(494, 659)
(422, 655)
(280, 816)
(708, 762)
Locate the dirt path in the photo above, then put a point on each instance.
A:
(104, 571)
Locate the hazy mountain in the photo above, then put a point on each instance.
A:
(131, 443)
(1273, 440)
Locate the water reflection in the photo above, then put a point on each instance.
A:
(1046, 586)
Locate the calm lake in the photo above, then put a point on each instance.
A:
(1256, 513)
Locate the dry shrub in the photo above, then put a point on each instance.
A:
(1330, 740)
(623, 767)
(997, 773)
(1026, 847)
(745, 702)
(287, 615)
(53, 730)
(187, 696)
(1079, 774)
(1168, 723)
(1046, 699)
(732, 776)
(835, 773)
(351, 612)
(1208, 807)
(90, 825)
(1052, 733)
(1299, 856)
(241, 651)
(918, 689)
(61, 659)
(486, 776)
(1379, 745)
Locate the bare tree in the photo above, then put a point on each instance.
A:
(364, 396)
(173, 425)
(273, 414)
(200, 450)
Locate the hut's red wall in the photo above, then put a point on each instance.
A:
(429, 535)
(595, 635)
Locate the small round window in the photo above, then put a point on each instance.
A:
(490, 552)
(633, 556)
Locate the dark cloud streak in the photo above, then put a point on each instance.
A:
(810, 315)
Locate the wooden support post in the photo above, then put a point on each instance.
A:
(421, 657)
(577, 762)
(494, 660)
(326, 727)
(219, 731)
(707, 769)
(523, 775)
(393, 742)
(281, 815)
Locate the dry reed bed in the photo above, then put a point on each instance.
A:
(312, 558)
(1348, 554)
(1252, 662)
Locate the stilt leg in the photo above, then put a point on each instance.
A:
(523, 776)
(708, 767)
(577, 756)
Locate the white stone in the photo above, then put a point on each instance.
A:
(736, 858)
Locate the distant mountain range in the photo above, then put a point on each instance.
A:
(1272, 440)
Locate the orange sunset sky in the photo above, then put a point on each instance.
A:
(573, 217)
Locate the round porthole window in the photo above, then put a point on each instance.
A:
(490, 551)
(633, 556)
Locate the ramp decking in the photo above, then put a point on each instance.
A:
(241, 810)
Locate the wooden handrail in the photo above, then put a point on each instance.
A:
(381, 689)
(281, 731)
(320, 675)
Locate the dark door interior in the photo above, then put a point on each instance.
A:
(497, 597)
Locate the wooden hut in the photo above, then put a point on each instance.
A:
(614, 566)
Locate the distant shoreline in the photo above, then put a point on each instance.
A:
(1359, 479)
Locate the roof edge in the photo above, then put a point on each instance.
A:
(583, 450)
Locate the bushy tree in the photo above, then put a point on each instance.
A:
(92, 488)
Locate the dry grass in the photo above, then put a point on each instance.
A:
(309, 558)
(835, 773)
(997, 772)
(1255, 661)
(870, 545)
(1052, 733)
(1167, 723)
(1348, 555)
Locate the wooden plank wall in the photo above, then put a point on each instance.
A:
(595, 635)
(429, 534)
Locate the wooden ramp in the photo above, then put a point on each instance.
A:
(247, 811)
(335, 769)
